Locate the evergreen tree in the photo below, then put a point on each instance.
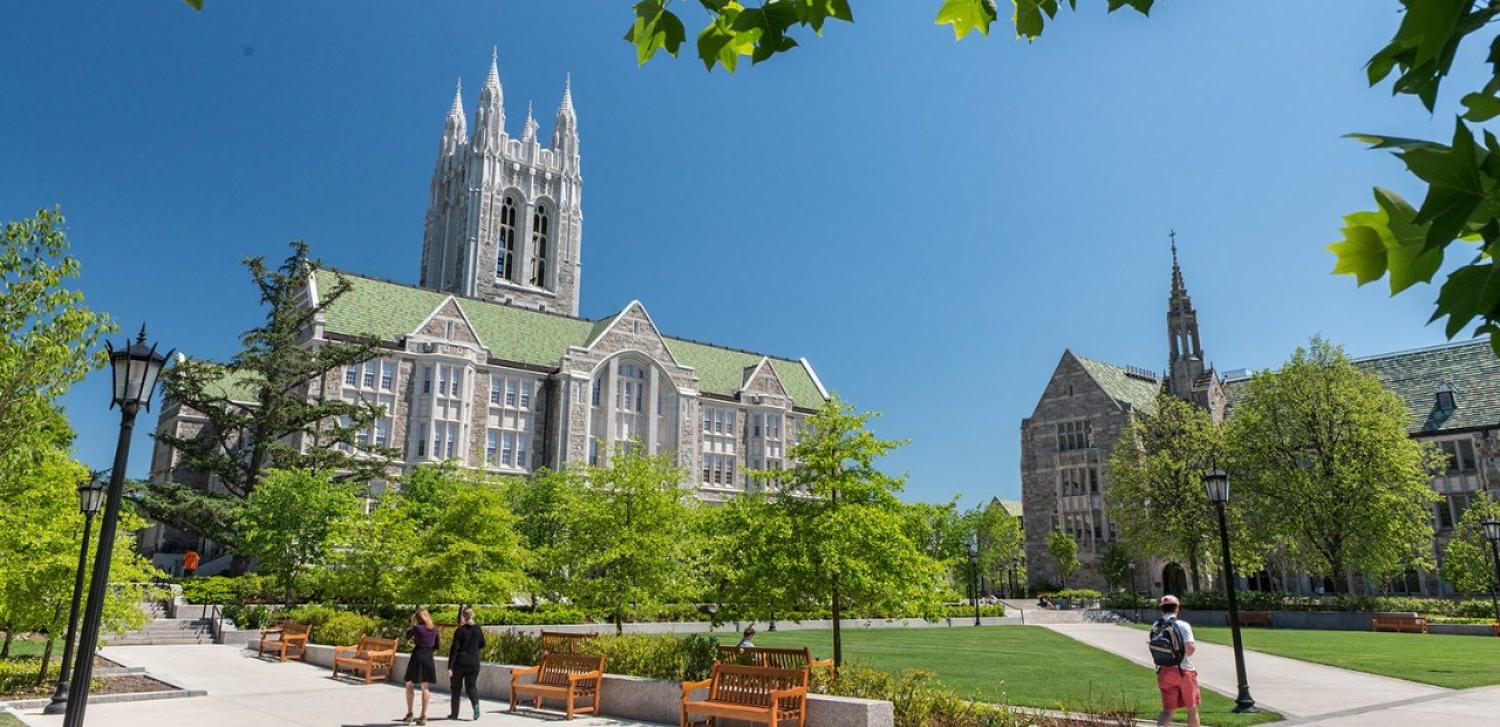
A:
(268, 408)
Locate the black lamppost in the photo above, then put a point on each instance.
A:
(1015, 562)
(1134, 597)
(974, 576)
(135, 368)
(90, 496)
(1216, 483)
(1492, 532)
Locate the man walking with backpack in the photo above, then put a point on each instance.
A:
(1171, 644)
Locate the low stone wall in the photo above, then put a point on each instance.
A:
(1323, 620)
(638, 698)
(703, 627)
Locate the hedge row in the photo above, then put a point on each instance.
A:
(1278, 601)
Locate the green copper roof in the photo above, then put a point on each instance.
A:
(388, 311)
(1122, 385)
(1469, 367)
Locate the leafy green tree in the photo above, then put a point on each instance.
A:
(1321, 459)
(40, 528)
(748, 560)
(49, 340)
(1156, 495)
(850, 540)
(999, 540)
(1063, 550)
(471, 552)
(372, 554)
(265, 409)
(540, 506)
(1468, 561)
(288, 521)
(1114, 565)
(628, 526)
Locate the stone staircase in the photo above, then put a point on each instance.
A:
(167, 631)
(1031, 615)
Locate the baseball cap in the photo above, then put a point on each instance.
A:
(1168, 600)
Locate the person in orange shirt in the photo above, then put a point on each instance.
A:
(190, 562)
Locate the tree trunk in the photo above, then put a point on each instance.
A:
(5, 650)
(1197, 577)
(838, 636)
(41, 675)
(619, 619)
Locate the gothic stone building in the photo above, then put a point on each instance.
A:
(486, 361)
(1452, 393)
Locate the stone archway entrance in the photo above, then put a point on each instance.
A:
(1174, 579)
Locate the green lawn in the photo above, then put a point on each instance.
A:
(32, 647)
(1025, 666)
(1446, 660)
(8, 720)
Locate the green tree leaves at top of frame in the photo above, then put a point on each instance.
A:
(969, 15)
(655, 28)
(1425, 44)
(1386, 240)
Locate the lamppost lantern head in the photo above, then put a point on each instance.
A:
(1491, 528)
(91, 494)
(1216, 484)
(136, 366)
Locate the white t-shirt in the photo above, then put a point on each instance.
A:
(1187, 638)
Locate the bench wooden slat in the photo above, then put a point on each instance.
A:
(750, 693)
(565, 642)
(372, 654)
(777, 658)
(1255, 618)
(567, 676)
(1399, 624)
(287, 641)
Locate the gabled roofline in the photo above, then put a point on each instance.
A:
(1421, 349)
(454, 300)
(659, 335)
(807, 365)
(763, 363)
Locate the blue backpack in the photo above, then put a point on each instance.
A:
(1166, 642)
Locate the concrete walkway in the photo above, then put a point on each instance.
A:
(247, 692)
(1308, 693)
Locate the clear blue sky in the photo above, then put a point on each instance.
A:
(931, 223)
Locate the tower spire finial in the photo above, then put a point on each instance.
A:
(567, 100)
(457, 109)
(1178, 287)
(531, 125)
(493, 79)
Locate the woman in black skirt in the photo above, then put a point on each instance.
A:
(419, 668)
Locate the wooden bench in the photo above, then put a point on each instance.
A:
(1497, 628)
(287, 641)
(371, 656)
(771, 657)
(565, 642)
(1255, 618)
(748, 693)
(1409, 624)
(568, 677)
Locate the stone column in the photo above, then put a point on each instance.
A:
(651, 412)
(607, 405)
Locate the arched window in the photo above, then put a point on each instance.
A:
(505, 262)
(540, 239)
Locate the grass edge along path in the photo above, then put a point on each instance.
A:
(1445, 660)
(1019, 666)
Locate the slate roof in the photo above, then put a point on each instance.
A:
(1470, 367)
(387, 311)
(1122, 384)
(1012, 507)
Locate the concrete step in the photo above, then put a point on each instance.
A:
(135, 640)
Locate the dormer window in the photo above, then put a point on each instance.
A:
(1445, 398)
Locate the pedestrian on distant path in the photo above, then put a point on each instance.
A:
(419, 667)
(463, 662)
(747, 639)
(189, 563)
(1171, 644)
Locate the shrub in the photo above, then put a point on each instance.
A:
(657, 656)
(966, 610)
(512, 647)
(345, 628)
(251, 617)
(18, 677)
(213, 589)
(1082, 594)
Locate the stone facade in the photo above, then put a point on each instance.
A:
(1452, 394)
(482, 367)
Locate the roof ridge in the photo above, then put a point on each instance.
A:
(1421, 349)
(456, 296)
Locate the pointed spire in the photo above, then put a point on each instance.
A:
(457, 109)
(489, 118)
(454, 127)
(529, 135)
(567, 102)
(1179, 289)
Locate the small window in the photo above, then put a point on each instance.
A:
(387, 376)
(1445, 398)
(351, 375)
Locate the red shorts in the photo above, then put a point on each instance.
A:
(1179, 688)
